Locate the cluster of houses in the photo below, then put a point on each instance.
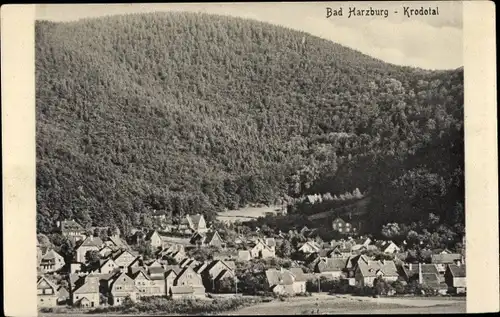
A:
(120, 273)
(345, 260)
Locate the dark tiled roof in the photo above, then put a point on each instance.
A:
(156, 270)
(426, 269)
(69, 225)
(331, 265)
(445, 258)
(50, 283)
(431, 280)
(195, 219)
(456, 270)
(91, 241)
(371, 268)
(282, 277)
(298, 273)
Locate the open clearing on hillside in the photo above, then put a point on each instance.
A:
(245, 214)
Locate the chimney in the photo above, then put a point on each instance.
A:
(420, 277)
(409, 266)
(58, 224)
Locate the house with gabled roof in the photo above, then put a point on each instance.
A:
(215, 271)
(125, 258)
(46, 292)
(63, 296)
(194, 223)
(170, 249)
(343, 227)
(86, 294)
(106, 251)
(154, 239)
(387, 246)
(333, 268)
(170, 276)
(442, 260)
(187, 277)
(207, 238)
(121, 286)
(90, 243)
(147, 285)
(366, 272)
(261, 250)
(309, 247)
(284, 281)
(116, 242)
(51, 261)
(410, 271)
(341, 250)
(455, 277)
(105, 266)
(71, 228)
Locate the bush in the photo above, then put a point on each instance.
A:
(181, 306)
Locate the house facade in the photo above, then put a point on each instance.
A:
(309, 247)
(455, 277)
(46, 292)
(344, 227)
(87, 294)
(88, 244)
(71, 228)
(51, 261)
(124, 259)
(121, 286)
(261, 250)
(366, 272)
(188, 277)
(147, 287)
(285, 282)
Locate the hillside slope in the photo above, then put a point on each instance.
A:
(193, 113)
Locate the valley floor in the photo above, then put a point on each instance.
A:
(340, 304)
(344, 304)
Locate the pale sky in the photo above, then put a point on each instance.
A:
(430, 42)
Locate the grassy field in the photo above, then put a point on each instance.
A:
(245, 214)
(324, 304)
(337, 304)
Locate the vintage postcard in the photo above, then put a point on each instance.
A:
(298, 158)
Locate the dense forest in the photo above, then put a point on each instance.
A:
(185, 113)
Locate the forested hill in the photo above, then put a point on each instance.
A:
(187, 113)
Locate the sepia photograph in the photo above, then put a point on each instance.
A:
(250, 158)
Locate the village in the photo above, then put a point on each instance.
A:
(194, 259)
